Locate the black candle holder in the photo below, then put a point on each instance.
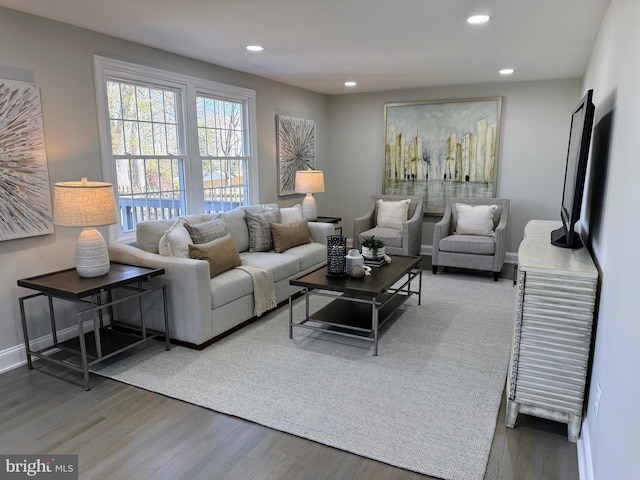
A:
(336, 251)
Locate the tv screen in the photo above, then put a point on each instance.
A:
(575, 172)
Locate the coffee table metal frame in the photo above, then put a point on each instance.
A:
(360, 306)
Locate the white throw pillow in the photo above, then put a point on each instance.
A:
(291, 214)
(392, 214)
(175, 241)
(475, 219)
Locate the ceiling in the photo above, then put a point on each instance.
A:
(380, 44)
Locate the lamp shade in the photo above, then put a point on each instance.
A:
(309, 181)
(89, 205)
(83, 204)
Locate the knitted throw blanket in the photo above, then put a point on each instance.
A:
(264, 288)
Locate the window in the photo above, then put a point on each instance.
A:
(173, 145)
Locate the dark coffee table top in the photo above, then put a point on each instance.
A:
(374, 285)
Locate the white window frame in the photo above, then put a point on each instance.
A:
(188, 88)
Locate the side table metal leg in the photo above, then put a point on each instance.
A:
(290, 316)
(83, 353)
(374, 321)
(420, 288)
(25, 334)
(166, 318)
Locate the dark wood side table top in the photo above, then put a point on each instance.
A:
(68, 284)
(327, 219)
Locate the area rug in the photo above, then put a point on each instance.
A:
(427, 403)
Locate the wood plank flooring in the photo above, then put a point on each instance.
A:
(124, 432)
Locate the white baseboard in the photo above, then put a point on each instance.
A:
(16, 356)
(585, 463)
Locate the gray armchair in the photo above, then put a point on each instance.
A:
(475, 252)
(406, 241)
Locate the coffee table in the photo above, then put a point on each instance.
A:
(361, 305)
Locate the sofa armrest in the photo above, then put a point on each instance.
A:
(412, 232)
(501, 240)
(441, 230)
(188, 289)
(363, 223)
(320, 231)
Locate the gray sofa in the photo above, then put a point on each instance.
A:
(204, 309)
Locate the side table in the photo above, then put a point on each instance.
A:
(334, 220)
(105, 340)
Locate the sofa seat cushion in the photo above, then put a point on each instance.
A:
(390, 236)
(281, 264)
(474, 244)
(309, 254)
(229, 286)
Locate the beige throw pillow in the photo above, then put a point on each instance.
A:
(221, 254)
(286, 236)
(475, 219)
(392, 214)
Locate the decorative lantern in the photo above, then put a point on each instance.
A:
(336, 250)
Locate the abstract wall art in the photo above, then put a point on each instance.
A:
(25, 198)
(442, 149)
(296, 147)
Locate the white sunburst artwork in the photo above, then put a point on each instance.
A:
(296, 150)
(25, 197)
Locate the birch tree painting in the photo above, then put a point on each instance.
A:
(25, 198)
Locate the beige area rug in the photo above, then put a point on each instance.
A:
(428, 402)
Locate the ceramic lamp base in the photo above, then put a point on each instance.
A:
(92, 257)
(309, 207)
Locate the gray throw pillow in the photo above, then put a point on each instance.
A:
(207, 231)
(260, 239)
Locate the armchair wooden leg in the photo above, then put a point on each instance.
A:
(496, 276)
(435, 269)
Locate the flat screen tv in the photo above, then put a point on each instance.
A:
(575, 172)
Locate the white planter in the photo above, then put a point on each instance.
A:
(368, 253)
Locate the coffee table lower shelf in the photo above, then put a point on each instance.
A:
(351, 318)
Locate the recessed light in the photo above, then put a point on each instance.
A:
(350, 83)
(478, 19)
(506, 71)
(255, 48)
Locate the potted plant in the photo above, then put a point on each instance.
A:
(372, 247)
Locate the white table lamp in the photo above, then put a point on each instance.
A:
(89, 205)
(309, 182)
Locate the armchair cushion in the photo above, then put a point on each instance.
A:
(392, 237)
(392, 214)
(473, 244)
(475, 219)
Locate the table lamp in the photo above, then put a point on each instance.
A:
(309, 182)
(89, 205)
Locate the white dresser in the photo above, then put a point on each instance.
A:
(552, 335)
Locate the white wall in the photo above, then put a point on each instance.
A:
(612, 223)
(61, 59)
(533, 144)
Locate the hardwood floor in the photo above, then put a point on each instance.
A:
(124, 432)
